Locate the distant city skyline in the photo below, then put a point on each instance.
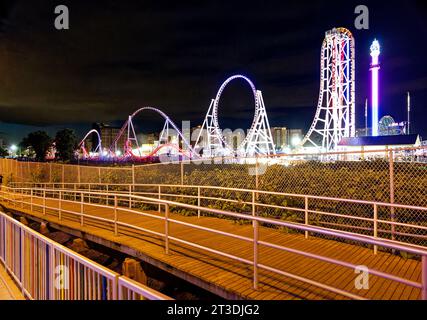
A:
(137, 55)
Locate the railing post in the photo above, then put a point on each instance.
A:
(88, 194)
(130, 196)
(115, 216)
(256, 251)
(198, 202)
(107, 198)
(306, 221)
(424, 277)
(81, 209)
(167, 228)
(375, 226)
(160, 196)
(52, 289)
(22, 260)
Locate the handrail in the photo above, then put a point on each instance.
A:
(374, 221)
(130, 287)
(45, 269)
(297, 195)
(416, 250)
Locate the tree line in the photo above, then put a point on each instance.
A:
(37, 145)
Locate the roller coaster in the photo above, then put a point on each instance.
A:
(334, 118)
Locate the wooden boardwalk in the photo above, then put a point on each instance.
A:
(8, 289)
(235, 278)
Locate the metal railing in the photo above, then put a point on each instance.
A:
(46, 270)
(43, 199)
(129, 289)
(381, 220)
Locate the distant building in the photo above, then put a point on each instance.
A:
(362, 132)
(294, 137)
(108, 133)
(3, 141)
(148, 138)
(380, 142)
(280, 137)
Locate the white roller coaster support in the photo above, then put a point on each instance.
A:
(98, 147)
(335, 114)
(258, 141)
(131, 134)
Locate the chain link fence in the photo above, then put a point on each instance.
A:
(389, 176)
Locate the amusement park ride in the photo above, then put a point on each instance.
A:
(334, 117)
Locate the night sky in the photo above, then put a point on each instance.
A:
(121, 55)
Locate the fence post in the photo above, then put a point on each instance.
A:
(133, 175)
(306, 222)
(78, 174)
(44, 201)
(256, 251)
(256, 174)
(31, 200)
(60, 205)
(392, 217)
(50, 172)
(253, 208)
(167, 228)
(182, 173)
(198, 201)
(375, 226)
(81, 208)
(115, 215)
(424, 277)
(63, 176)
(99, 175)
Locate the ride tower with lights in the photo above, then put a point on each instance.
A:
(375, 67)
(335, 114)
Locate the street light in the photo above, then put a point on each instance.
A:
(13, 148)
(295, 141)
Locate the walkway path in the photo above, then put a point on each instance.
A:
(227, 275)
(8, 289)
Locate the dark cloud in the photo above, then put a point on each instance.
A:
(120, 55)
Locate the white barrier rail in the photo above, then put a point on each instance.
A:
(46, 270)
